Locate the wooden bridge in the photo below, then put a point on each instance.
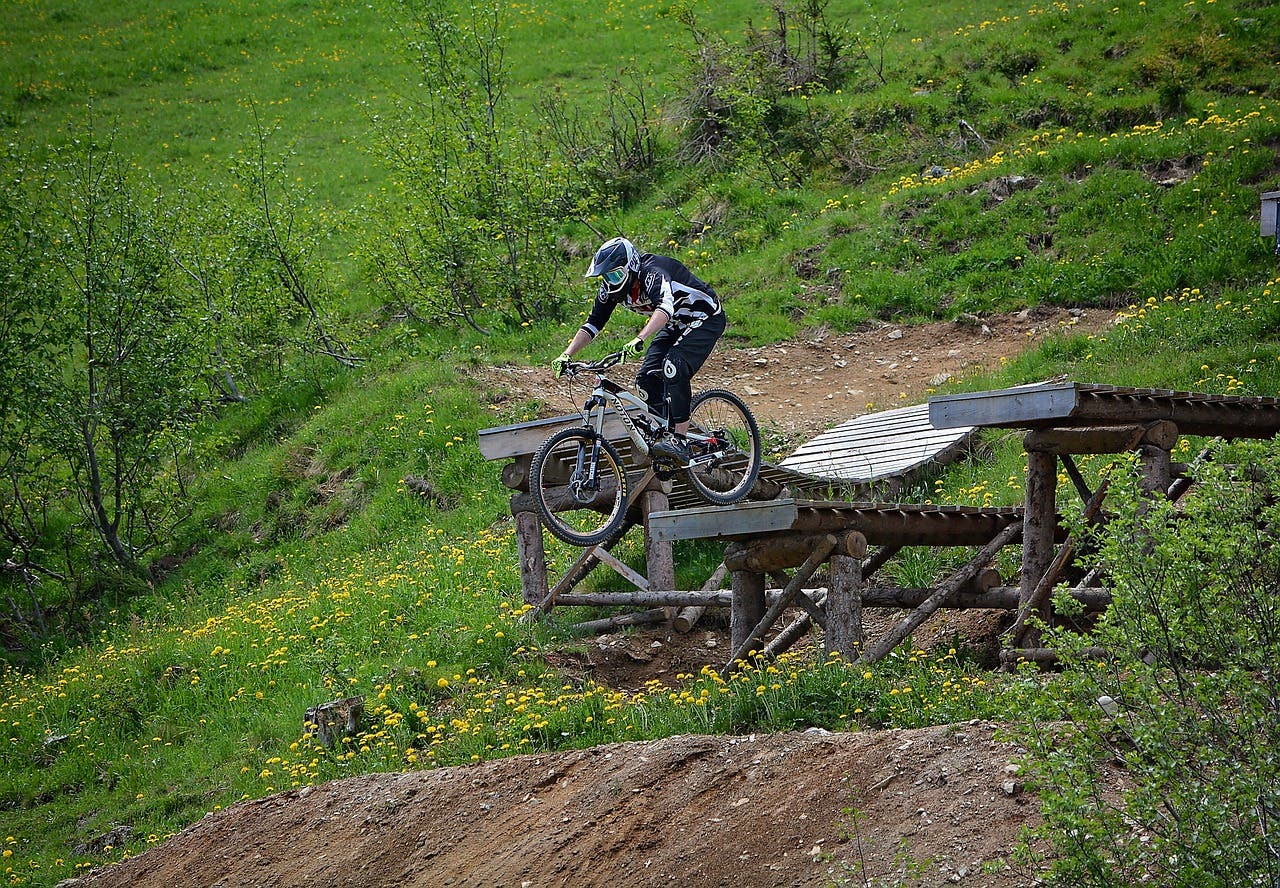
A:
(824, 505)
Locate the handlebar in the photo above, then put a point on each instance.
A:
(610, 360)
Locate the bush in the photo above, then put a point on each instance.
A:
(1166, 771)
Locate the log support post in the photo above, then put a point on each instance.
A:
(844, 631)
(659, 562)
(533, 557)
(752, 639)
(1039, 523)
(1155, 452)
(748, 605)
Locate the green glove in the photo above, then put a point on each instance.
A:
(634, 348)
(560, 364)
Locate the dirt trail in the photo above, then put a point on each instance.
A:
(804, 387)
(934, 807)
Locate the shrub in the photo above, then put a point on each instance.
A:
(1166, 771)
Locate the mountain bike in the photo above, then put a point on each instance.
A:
(579, 480)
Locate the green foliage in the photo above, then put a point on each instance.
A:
(107, 383)
(1087, 155)
(1166, 769)
(482, 198)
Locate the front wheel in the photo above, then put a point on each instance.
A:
(725, 418)
(579, 483)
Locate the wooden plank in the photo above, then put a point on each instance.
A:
(909, 447)
(869, 438)
(506, 442)
(874, 432)
(1066, 405)
(1011, 406)
(720, 522)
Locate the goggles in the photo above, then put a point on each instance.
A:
(615, 276)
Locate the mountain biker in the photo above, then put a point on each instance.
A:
(685, 321)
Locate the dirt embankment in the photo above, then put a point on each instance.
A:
(937, 806)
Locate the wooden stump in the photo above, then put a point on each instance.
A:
(659, 562)
(330, 722)
(1039, 523)
(844, 632)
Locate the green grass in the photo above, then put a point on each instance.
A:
(310, 570)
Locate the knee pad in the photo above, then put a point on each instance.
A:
(675, 369)
(650, 386)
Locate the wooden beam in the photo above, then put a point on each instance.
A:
(622, 570)
(1045, 584)
(659, 561)
(967, 598)
(887, 642)
(691, 614)
(782, 551)
(785, 639)
(520, 439)
(879, 559)
(1013, 406)
(620, 621)
(844, 631)
(751, 639)
(1102, 439)
(748, 605)
(1039, 523)
(1073, 472)
(742, 519)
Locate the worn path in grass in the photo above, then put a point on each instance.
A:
(934, 807)
(804, 387)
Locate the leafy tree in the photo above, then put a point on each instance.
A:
(105, 380)
(483, 198)
(1165, 771)
(272, 237)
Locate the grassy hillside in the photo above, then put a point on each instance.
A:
(974, 158)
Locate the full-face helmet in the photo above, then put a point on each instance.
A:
(617, 261)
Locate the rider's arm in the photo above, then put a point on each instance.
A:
(601, 309)
(580, 340)
(659, 320)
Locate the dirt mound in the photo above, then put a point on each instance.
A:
(935, 806)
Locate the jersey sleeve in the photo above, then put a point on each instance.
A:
(601, 309)
(657, 289)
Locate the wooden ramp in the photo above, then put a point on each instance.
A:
(890, 444)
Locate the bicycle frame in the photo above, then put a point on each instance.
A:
(609, 393)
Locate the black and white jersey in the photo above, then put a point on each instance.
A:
(662, 283)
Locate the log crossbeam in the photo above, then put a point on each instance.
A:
(802, 574)
(597, 553)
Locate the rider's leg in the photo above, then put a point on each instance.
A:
(684, 359)
(649, 380)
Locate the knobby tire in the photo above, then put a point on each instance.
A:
(590, 517)
(730, 480)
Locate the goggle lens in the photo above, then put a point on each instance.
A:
(615, 276)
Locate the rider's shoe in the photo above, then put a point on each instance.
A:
(674, 447)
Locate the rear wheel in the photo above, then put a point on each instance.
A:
(579, 483)
(724, 416)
